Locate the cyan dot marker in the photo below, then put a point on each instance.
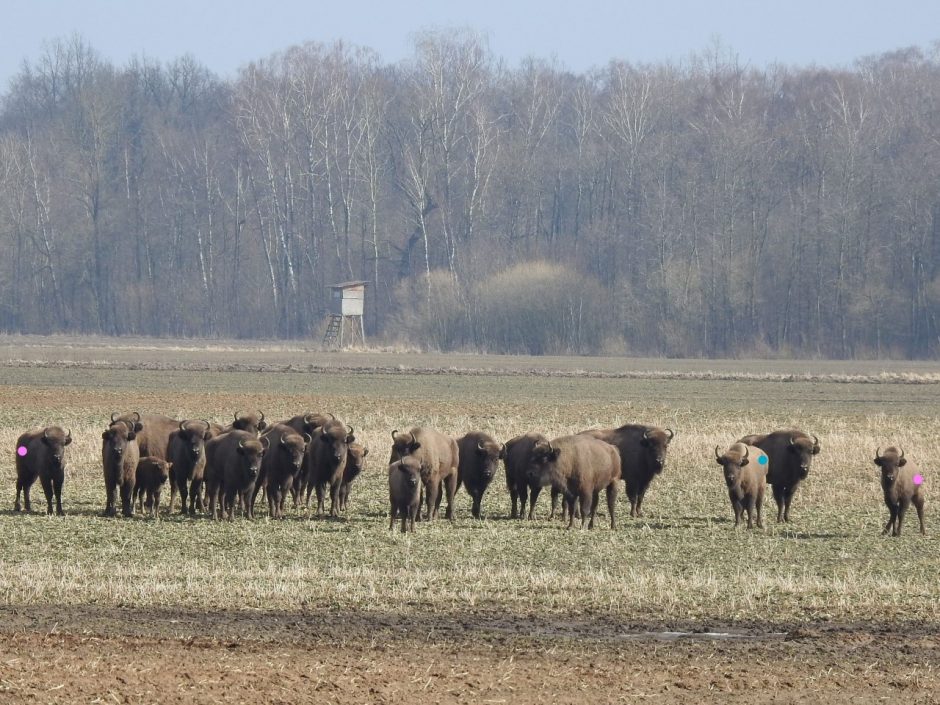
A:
(918, 479)
(21, 451)
(762, 460)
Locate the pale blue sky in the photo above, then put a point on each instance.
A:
(579, 33)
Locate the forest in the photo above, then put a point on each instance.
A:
(701, 208)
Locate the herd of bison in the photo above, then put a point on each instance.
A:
(219, 469)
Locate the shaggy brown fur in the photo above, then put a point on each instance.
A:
(152, 473)
(404, 491)
(790, 453)
(900, 492)
(438, 456)
(746, 478)
(119, 456)
(479, 455)
(45, 459)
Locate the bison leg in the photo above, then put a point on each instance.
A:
(26, 488)
(534, 493)
(19, 490)
(919, 506)
(475, 506)
(391, 516)
(780, 501)
(551, 514)
(110, 489)
(514, 498)
(127, 499)
(751, 506)
(433, 497)
(595, 498)
(451, 489)
(612, 503)
(632, 496)
(757, 506)
(57, 482)
(892, 513)
(902, 511)
(156, 501)
(334, 498)
(320, 499)
(639, 501)
(46, 482)
(229, 502)
(254, 496)
(183, 490)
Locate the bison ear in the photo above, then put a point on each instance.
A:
(262, 425)
(744, 461)
(718, 460)
(365, 452)
(350, 438)
(131, 435)
(414, 446)
(106, 435)
(68, 439)
(138, 427)
(815, 450)
(554, 453)
(207, 436)
(877, 461)
(902, 461)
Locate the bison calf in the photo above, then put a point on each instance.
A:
(479, 457)
(903, 486)
(119, 456)
(404, 492)
(745, 469)
(152, 474)
(41, 453)
(579, 467)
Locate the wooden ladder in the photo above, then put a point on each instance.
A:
(334, 331)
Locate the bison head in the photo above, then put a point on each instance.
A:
(490, 453)
(251, 452)
(404, 444)
(251, 422)
(194, 435)
(892, 460)
(132, 419)
(294, 446)
(117, 436)
(803, 449)
(410, 466)
(336, 436)
(733, 460)
(314, 421)
(355, 461)
(541, 463)
(55, 440)
(655, 442)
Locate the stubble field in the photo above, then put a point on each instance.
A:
(499, 610)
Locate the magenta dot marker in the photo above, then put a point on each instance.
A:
(918, 479)
(21, 451)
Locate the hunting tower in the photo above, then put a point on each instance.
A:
(345, 314)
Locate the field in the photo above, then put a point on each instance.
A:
(493, 610)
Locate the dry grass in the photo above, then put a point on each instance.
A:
(682, 562)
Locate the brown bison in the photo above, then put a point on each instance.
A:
(355, 463)
(119, 456)
(517, 456)
(233, 461)
(152, 473)
(790, 453)
(251, 422)
(903, 486)
(280, 466)
(579, 467)
(326, 462)
(404, 491)
(642, 457)
(745, 470)
(186, 453)
(438, 456)
(153, 436)
(310, 424)
(479, 455)
(41, 453)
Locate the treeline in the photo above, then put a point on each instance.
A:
(704, 208)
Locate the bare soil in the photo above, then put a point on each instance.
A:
(92, 654)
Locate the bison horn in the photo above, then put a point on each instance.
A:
(480, 446)
(792, 442)
(646, 434)
(265, 444)
(332, 416)
(113, 414)
(815, 441)
(902, 454)
(671, 434)
(308, 438)
(137, 414)
(413, 439)
(717, 454)
(262, 415)
(235, 415)
(208, 425)
(181, 425)
(394, 433)
(68, 434)
(349, 430)
(284, 441)
(241, 444)
(45, 433)
(878, 453)
(550, 448)
(747, 452)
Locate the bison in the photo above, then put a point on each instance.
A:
(479, 455)
(187, 454)
(903, 485)
(642, 457)
(153, 436)
(119, 456)
(517, 455)
(152, 473)
(280, 466)
(310, 424)
(789, 453)
(745, 470)
(41, 453)
(438, 456)
(404, 492)
(579, 467)
(326, 462)
(355, 463)
(251, 422)
(233, 461)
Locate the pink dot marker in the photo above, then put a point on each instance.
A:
(918, 479)
(21, 451)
